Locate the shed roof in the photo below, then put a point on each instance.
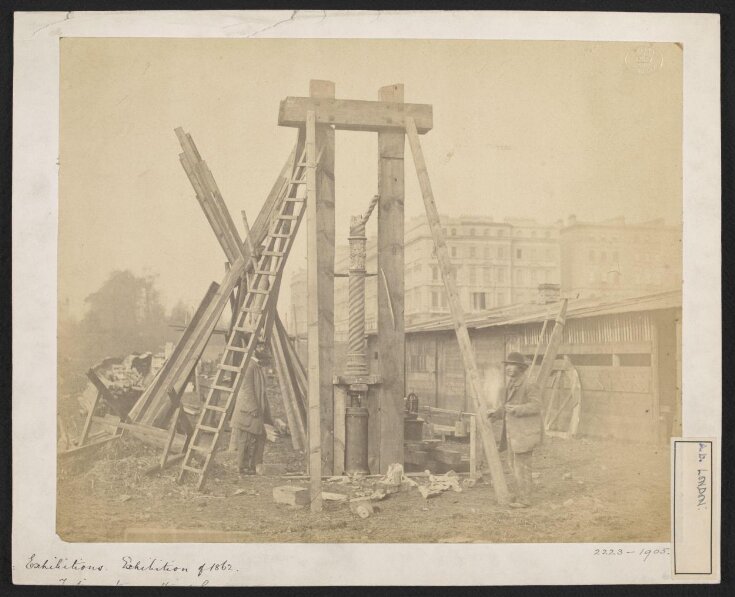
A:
(577, 308)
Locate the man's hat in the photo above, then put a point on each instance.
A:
(516, 358)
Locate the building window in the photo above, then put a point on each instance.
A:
(478, 301)
(454, 251)
(472, 232)
(486, 275)
(472, 250)
(454, 232)
(444, 299)
(519, 276)
(434, 273)
(501, 253)
(534, 276)
(501, 275)
(519, 253)
(501, 232)
(434, 299)
(486, 252)
(473, 274)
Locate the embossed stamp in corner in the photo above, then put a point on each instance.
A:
(644, 60)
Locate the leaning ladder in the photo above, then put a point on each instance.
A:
(265, 270)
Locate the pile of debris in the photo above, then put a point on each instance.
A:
(362, 492)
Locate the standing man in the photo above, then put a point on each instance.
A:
(251, 412)
(520, 410)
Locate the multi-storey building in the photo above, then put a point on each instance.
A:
(503, 263)
(496, 264)
(612, 258)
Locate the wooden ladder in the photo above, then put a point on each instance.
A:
(264, 272)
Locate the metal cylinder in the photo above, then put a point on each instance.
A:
(356, 440)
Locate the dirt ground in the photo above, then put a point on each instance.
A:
(585, 491)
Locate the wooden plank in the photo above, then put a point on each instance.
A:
(295, 370)
(340, 403)
(182, 367)
(391, 336)
(488, 439)
(154, 389)
(170, 438)
(323, 264)
(474, 468)
(190, 345)
(312, 315)
(355, 115)
(292, 357)
(145, 433)
(104, 391)
(200, 193)
(87, 448)
(552, 348)
(211, 193)
(274, 199)
(295, 422)
(88, 420)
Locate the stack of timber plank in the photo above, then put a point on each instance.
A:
(432, 454)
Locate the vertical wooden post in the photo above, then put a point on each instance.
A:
(340, 403)
(391, 338)
(654, 324)
(473, 447)
(312, 317)
(322, 259)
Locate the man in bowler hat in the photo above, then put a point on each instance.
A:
(520, 411)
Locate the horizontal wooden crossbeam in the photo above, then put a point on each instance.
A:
(355, 115)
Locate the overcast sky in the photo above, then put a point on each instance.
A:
(521, 129)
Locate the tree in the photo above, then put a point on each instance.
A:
(180, 314)
(125, 315)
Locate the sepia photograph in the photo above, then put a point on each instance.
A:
(409, 303)
(323, 291)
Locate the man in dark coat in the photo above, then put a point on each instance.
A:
(520, 410)
(250, 413)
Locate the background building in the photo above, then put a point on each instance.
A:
(612, 258)
(504, 263)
